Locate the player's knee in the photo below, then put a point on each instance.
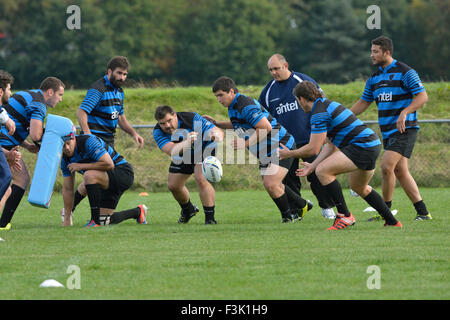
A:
(89, 177)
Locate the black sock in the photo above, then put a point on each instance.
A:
(389, 204)
(377, 202)
(209, 213)
(11, 205)
(77, 199)
(187, 207)
(421, 208)
(295, 200)
(118, 217)
(335, 191)
(283, 205)
(94, 193)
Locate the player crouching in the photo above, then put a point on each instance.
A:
(106, 176)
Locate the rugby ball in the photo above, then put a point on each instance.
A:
(212, 169)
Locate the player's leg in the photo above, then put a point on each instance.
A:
(120, 180)
(176, 182)
(323, 198)
(411, 189)
(337, 163)
(95, 181)
(20, 181)
(292, 181)
(359, 182)
(388, 163)
(206, 193)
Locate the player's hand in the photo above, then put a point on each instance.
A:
(306, 170)
(139, 140)
(284, 152)
(192, 136)
(11, 126)
(74, 167)
(401, 122)
(238, 143)
(13, 157)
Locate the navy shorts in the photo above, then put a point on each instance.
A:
(363, 158)
(402, 143)
(5, 174)
(121, 178)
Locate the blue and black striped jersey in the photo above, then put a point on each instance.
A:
(187, 122)
(22, 107)
(104, 104)
(89, 149)
(392, 88)
(342, 126)
(244, 113)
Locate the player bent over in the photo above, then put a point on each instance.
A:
(187, 138)
(351, 147)
(261, 134)
(106, 176)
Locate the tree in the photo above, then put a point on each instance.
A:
(233, 38)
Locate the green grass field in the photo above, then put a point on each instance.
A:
(250, 254)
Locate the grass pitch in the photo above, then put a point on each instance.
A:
(250, 254)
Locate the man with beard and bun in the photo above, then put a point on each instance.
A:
(102, 108)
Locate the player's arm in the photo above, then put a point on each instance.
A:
(360, 106)
(68, 194)
(104, 163)
(220, 124)
(82, 117)
(216, 134)
(125, 126)
(418, 101)
(177, 149)
(316, 141)
(308, 168)
(262, 129)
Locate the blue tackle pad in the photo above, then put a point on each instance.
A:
(49, 160)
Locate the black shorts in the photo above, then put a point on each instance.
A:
(402, 143)
(363, 158)
(121, 178)
(285, 163)
(188, 168)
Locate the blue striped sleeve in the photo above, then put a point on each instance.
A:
(368, 92)
(92, 98)
(38, 110)
(252, 114)
(94, 148)
(412, 82)
(160, 138)
(319, 122)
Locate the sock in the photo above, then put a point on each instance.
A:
(376, 201)
(283, 205)
(421, 208)
(295, 200)
(389, 204)
(118, 217)
(11, 205)
(77, 199)
(209, 213)
(94, 193)
(187, 207)
(335, 191)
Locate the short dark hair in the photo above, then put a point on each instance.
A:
(225, 84)
(307, 90)
(51, 83)
(118, 62)
(385, 44)
(162, 111)
(5, 79)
